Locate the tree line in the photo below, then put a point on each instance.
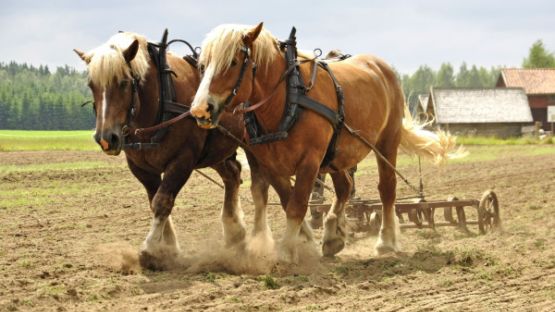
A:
(446, 77)
(467, 76)
(34, 98)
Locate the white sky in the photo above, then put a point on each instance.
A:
(404, 33)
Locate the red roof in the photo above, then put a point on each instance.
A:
(533, 81)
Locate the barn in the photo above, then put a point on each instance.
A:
(500, 112)
(422, 107)
(539, 85)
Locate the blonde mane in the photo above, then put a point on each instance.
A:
(107, 63)
(223, 42)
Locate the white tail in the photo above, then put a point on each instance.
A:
(439, 145)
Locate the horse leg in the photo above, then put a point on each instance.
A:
(335, 230)
(161, 242)
(352, 172)
(232, 214)
(317, 195)
(297, 206)
(387, 240)
(283, 188)
(259, 189)
(150, 181)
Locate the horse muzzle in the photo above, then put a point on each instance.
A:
(205, 123)
(210, 118)
(111, 142)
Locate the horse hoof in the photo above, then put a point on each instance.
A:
(150, 262)
(288, 255)
(382, 249)
(331, 247)
(234, 232)
(233, 241)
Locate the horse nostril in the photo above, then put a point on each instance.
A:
(114, 140)
(210, 107)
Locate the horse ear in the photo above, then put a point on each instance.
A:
(249, 38)
(83, 56)
(130, 53)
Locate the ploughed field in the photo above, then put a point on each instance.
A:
(71, 223)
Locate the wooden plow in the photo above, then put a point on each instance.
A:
(365, 215)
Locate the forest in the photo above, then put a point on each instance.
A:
(36, 98)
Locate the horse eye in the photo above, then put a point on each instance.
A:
(201, 68)
(233, 63)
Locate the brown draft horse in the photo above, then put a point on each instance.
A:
(165, 169)
(374, 107)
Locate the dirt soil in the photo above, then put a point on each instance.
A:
(69, 240)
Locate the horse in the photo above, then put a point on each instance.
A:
(113, 69)
(243, 64)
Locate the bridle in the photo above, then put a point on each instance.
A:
(133, 110)
(247, 107)
(237, 86)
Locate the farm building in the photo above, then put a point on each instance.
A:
(539, 85)
(421, 107)
(500, 112)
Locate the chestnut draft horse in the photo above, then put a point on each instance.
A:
(125, 85)
(373, 109)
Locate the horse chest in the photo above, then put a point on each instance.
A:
(149, 161)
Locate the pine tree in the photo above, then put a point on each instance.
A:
(445, 77)
(539, 57)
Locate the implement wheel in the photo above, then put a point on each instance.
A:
(488, 212)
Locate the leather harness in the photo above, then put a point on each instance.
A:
(168, 106)
(296, 100)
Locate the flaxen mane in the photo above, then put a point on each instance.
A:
(106, 63)
(223, 42)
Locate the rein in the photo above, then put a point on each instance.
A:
(162, 125)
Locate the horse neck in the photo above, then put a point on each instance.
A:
(148, 98)
(186, 83)
(269, 114)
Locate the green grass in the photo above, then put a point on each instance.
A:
(48, 193)
(269, 282)
(81, 140)
(73, 165)
(23, 140)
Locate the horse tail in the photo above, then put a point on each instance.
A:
(439, 145)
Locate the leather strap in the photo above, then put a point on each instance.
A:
(162, 125)
(176, 107)
(320, 109)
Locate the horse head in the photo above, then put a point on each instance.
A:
(230, 55)
(115, 69)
